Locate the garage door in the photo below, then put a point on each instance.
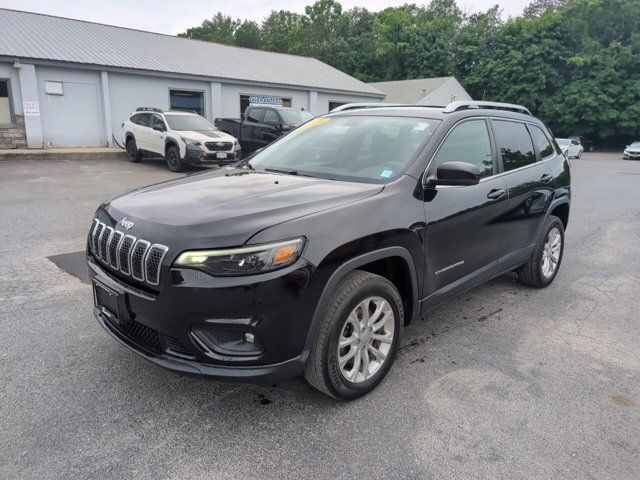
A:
(73, 118)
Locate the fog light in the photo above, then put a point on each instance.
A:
(249, 337)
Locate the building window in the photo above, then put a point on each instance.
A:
(187, 100)
(246, 100)
(333, 105)
(6, 114)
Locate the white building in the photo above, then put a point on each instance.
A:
(435, 92)
(67, 82)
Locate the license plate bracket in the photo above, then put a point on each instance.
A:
(107, 301)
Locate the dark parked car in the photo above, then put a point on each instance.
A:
(259, 126)
(586, 142)
(311, 256)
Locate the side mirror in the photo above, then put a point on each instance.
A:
(158, 128)
(456, 173)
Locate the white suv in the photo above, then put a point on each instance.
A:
(182, 138)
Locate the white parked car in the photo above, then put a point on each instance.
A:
(570, 147)
(632, 152)
(182, 138)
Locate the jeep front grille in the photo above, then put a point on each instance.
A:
(131, 256)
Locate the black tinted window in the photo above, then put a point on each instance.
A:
(468, 142)
(255, 114)
(514, 143)
(541, 141)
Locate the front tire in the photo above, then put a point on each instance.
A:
(579, 154)
(174, 162)
(133, 154)
(358, 337)
(543, 266)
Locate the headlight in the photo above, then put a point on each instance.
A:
(236, 145)
(243, 260)
(190, 141)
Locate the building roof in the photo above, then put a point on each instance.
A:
(26, 35)
(410, 91)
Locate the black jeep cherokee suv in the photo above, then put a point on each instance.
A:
(312, 255)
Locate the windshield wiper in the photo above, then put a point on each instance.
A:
(277, 170)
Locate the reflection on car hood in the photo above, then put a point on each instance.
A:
(228, 206)
(206, 136)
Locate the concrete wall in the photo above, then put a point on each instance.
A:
(95, 103)
(128, 92)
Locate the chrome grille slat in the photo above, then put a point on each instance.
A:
(127, 254)
(105, 238)
(114, 245)
(125, 250)
(96, 238)
(138, 252)
(153, 263)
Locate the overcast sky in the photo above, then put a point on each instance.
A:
(176, 16)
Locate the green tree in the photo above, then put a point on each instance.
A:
(219, 29)
(247, 34)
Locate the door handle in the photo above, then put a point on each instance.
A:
(546, 178)
(496, 194)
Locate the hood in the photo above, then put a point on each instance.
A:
(206, 136)
(227, 207)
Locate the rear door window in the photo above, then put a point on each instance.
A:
(468, 142)
(542, 142)
(514, 144)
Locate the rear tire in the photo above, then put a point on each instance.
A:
(366, 317)
(543, 266)
(133, 154)
(174, 162)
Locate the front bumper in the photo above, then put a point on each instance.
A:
(631, 156)
(163, 326)
(198, 155)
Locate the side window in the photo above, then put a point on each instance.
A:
(468, 142)
(143, 119)
(541, 141)
(158, 121)
(271, 116)
(255, 114)
(514, 144)
(135, 118)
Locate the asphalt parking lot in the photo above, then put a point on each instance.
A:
(503, 382)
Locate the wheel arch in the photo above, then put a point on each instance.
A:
(394, 263)
(561, 209)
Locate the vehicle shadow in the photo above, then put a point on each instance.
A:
(149, 381)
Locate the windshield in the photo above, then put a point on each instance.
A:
(348, 147)
(189, 122)
(295, 117)
(563, 141)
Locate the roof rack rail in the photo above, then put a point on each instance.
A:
(148, 109)
(464, 105)
(356, 106)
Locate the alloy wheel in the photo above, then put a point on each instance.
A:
(365, 339)
(551, 252)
